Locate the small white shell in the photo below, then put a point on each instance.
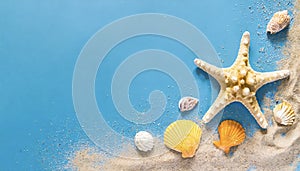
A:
(187, 103)
(284, 113)
(144, 141)
(278, 22)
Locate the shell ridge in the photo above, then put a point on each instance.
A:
(181, 132)
(183, 136)
(231, 133)
(284, 113)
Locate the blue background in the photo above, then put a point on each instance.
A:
(41, 40)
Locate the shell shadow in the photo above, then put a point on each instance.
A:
(279, 37)
(145, 154)
(202, 73)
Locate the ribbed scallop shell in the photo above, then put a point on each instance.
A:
(187, 103)
(144, 141)
(183, 136)
(278, 22)
(284, 113)
(231, 134)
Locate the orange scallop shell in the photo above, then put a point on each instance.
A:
(231, 134)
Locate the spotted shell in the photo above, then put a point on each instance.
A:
(278, 22)
(231, 134)
(144, 141)
(183, 136)
(284, 113)
(187, 103)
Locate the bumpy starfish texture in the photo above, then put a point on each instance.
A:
(239, 83)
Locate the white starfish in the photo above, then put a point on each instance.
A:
(239, 83)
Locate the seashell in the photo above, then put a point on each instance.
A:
(278, 22)
(231, 134)
(183, 136)
(144, 141)
(187, 103)
(284, 113)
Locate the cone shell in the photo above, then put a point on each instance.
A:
(231, 134)
(187, 103)
(183, 136)
(278, 22)
(284, 113)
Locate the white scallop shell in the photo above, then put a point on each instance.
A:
(144, 141)
(187, 103)
(278, 22)
(284, 113)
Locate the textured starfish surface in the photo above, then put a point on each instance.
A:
(239, 83)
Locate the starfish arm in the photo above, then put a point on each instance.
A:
(253, 107)
(214, 71)
(243, 54)
(267, 77)
(220, 102)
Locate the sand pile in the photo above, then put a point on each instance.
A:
(277, 148)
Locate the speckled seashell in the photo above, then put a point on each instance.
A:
(183, 136)
(284, 113)
(144, 141)
(231, 134)
(278, 22)
(187, 103)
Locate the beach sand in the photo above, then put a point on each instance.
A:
(277, 148)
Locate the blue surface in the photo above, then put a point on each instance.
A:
(41, 40)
